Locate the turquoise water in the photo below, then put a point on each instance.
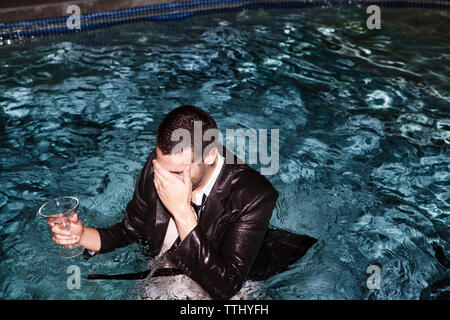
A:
(364, 120)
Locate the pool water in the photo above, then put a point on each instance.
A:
(364, 120)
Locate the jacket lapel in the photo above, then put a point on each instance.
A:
(161, 224)
(215, 203)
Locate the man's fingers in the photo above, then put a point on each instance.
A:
(157, 175)
(60, 237)
(57, 230)
(53, 220)
(163, 173)
(158, 180)
(64, 242)
(156, 183)
(74, 218)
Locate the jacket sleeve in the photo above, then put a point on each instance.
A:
(222, 272)
(131, 228)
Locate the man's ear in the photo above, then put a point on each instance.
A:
(211, 157)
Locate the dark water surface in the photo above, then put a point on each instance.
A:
(364, 120)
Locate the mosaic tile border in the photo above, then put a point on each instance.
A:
(180, 10)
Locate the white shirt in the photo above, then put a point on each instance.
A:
(172, 232)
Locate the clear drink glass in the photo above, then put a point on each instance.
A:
(59, 211)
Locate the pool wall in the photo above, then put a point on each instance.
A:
(25, 18)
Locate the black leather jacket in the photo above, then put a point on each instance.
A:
(219, 252)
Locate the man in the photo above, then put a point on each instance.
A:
(207, 216)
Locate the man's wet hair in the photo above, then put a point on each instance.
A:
(184, 117)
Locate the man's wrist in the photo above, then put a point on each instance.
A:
(186, 221)
(83, 236)
(90, 239)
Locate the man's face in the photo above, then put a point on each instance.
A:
(175, 163)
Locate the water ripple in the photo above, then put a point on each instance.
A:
(364, 136)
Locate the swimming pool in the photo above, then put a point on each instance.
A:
(364, 134)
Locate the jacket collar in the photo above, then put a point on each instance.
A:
(221, 189)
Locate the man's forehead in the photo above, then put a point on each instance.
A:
(174, 162)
